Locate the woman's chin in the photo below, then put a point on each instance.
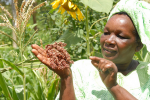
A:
(111, 58)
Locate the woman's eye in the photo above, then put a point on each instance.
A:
(121, 37)
(106, 33)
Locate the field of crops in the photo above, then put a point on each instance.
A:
(22, 75)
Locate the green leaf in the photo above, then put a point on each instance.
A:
(144, 51)
(40, 92)
(99, 5)
(19, 92)
(1, 63)
(96, 47)
(5, 88)
(31, 26)
(93, 31)
(31, 87)
(13, 66)
(70, 38)
(139, 56)
(80, 49)
(40, 86)
(51, 91)
(147, 57)
(15, 97)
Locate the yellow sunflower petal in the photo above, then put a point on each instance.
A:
(71, 5)
(71, 8)
(73, 14)
(62, 10)
(75, 7)
(64, 1)
(55, 4)
(78, 11)
(80, 15)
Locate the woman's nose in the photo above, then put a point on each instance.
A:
(110, 40)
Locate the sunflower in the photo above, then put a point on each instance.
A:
(71, 8)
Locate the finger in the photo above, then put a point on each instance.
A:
(39, 49)
(35, 52)
(34, 46)
(40, 57)
(46, 62)
(108, 67)
(42, 51)
(95, 63)
(95, 58)
(43, 59)
(101, 65)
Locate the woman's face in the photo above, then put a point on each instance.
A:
(118, 42)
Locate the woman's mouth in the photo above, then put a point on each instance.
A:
(109, 52)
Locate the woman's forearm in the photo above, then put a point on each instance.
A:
(119, 93)
(67, 89)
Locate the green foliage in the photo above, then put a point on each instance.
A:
(143, 55)
(5, 88)
(14, 94)
(3, 39)
(52, 90)
(13, 66)
(52, 26)
(99, 5)
(40, 83)
(69, 35)
(40, 86)
(1, 63)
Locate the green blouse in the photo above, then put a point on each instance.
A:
(88, 85)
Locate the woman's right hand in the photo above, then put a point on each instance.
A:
(40, 53)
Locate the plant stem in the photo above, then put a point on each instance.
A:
(87, 33)
(96, 22)
(8, 36)
(24, 79)
(29, 40)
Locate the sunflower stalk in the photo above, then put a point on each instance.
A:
(87, 33)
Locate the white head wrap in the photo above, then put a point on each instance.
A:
(139, 11)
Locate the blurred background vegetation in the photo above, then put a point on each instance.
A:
(22, 76)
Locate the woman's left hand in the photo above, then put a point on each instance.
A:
(107, 70)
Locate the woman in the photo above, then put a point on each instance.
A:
(121, 77)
